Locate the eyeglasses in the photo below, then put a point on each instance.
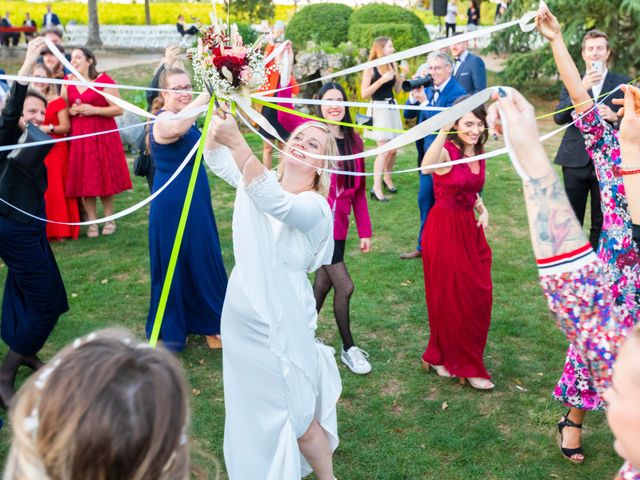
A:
(181, 88)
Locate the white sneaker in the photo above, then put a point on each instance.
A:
(356, 359)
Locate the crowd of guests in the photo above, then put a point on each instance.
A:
(292, 221)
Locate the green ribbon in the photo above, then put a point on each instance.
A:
(166, 287)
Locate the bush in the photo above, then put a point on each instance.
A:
(363, 35)
(388, 21)
(249, 35)
(320, 23)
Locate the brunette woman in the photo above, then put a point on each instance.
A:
(457, 258)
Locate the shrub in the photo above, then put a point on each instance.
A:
(363, 35)
(390, 21)
(320, 23)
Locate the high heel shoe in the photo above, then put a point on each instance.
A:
(388, 188)
(477, 383)
(439, 369)
(568, 453)
(373, 196)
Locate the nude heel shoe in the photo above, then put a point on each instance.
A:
(439, 369)
(477, 383)
(214, 342)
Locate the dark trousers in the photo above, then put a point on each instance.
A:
(579, 183)
(426, 200)
(450, 26)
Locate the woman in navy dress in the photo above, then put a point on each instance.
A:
(199, 283)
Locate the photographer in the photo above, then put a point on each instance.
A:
(443, 91)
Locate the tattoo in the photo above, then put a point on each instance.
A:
(554, 226)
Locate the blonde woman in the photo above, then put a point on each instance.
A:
(280, 385)
(380, 83)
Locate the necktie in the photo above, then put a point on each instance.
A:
(436, 95)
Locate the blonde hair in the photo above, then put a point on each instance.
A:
(377, 52)
(105, 407)
(323, 179)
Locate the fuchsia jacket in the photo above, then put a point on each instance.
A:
(341, 197)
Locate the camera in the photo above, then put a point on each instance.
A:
(425, 81)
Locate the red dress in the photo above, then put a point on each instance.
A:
(58, 207)
(97, 164)
(457, 273)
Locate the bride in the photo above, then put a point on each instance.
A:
(280, 385)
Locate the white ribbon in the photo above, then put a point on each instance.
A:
(313, 101)
(124, 212)
(523, 21)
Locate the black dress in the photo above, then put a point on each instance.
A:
(34, 294)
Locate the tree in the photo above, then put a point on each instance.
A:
(147, 13)
(93, 36)
(251, 10)
(529, 62)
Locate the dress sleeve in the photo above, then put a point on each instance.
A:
(599, 137)
(303, 211)
(584, 309)
(628, 472)
(221, 162)
(288, 120)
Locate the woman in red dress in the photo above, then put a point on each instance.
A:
(56, 124)
(456, 257)
(97, 164)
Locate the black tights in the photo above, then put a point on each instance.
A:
(336, 276)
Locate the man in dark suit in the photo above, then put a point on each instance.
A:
(50, 19)
(29, 22)
(578, 171)
(8, 37)
(468, 69)
(34, 294)
(443, 93)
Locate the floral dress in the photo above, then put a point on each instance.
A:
(587, 311)
(621, 270)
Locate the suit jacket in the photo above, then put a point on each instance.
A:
(572, 152)
(54, 20)
(5, 23)
(472, 74)
(16, 187)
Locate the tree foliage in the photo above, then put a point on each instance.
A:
(530, 57)
(320, 23)
(251, 10)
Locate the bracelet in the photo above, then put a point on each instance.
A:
(619, 171)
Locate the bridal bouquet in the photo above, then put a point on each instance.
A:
(223, 64)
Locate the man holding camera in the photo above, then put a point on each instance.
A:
(577, 169)
(435, 89)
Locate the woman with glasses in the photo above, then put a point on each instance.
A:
(199, 283)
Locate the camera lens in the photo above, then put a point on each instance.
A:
(409, 85)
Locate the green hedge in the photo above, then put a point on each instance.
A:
(402, 35)
(389, 21)
(321, 23)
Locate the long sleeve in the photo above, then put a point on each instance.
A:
(479, 76)
(303, 211)
(9, 130)
(408, 113)
(562, 118)
(221, 162)
(360, 206)
(585, 310)
(288, 120)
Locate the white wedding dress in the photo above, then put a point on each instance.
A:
(277, 377)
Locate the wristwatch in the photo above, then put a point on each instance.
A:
(51, 128)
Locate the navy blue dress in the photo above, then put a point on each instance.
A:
(199, 283)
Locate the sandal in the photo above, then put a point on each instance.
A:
(93, 231)
(214, 342)
(569, 453)
(441, 370)
(109, 228)
(478, 383)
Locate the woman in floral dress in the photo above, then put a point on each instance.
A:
(616, 250)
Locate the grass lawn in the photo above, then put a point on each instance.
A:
(398, 422)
